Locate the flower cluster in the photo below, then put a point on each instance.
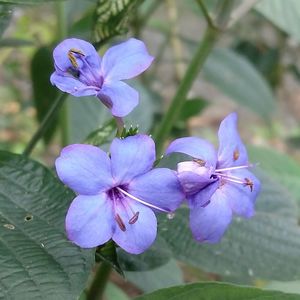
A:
(119, 193)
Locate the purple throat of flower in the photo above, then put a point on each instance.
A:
(118, 195)
(219, 174)
(89, 77)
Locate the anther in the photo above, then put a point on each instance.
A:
(72, 57)
(249, 183)
(236, 154)
(120, 222)
(200, 162)
(134, 218)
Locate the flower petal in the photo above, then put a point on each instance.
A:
(119, 97)
(193, 177)
(72, 86)
(202, 198)
(84, 168)
(239, 197)
(232, 151)
(61, 58)
(209, 223)
(90, 221)
(159, 187)
(140, 235)
(131, 156)
(195, 147)
(126, 60)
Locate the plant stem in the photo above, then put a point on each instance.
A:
(179, 99)
(61, 34)
(99, 283)
(204, 48)
(45, 123)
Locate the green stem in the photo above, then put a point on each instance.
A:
(204, 48)
(99, 283)
(191, 74)
(62, 32)
(45, 123)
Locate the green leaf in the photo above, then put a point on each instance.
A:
(112, 18)
(154, 257)
(216, 291)
(5, 16)
(283, 14)
(236, 77)
(192, 107)
(102, 135)
(164, 276)
(113, 292)
(266, 246)
(37, 261)
(44, 93)
(280, 166)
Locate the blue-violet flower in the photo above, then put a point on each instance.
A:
(117, 194)
(217, 184)
(80, 71)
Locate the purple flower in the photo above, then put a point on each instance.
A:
(217, 185)
(117, 194)
(80, 71)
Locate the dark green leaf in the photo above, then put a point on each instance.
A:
(284, 14)
(280, 166)
(44, 93)
(167, 275)
(216, 291)
(102, 135)
(112, 18)
(156, 256)
(37, 261)
(238, 79)
(191, 108)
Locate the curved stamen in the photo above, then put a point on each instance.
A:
(141, 201)
(235, 168)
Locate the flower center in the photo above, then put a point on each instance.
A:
(118, 196)
(82, 70)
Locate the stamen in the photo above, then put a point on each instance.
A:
(235, 168)
(245, 182)
(134, 218)
(72, 57)
(141, 201)
(120, 222)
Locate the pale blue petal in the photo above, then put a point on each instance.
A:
(62, 61)
(159, 187)
(73, 86)
(119, 97)
(90, 221)
(232, 151)
(195, 147)
(209, 223)
(131, 157)
(125, 60)
(139, 236)
(84, 168)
